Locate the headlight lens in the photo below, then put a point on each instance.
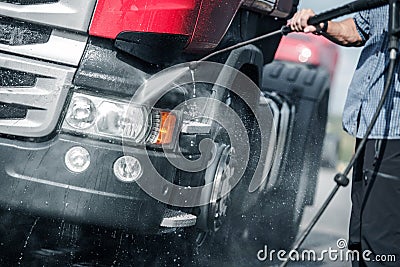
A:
(305, 54)
(82, 113)
(114, 119)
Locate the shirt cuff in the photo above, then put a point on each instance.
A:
(362, 27)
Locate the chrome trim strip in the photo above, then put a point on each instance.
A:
(62, 47)
(69, 14)
(66, 186)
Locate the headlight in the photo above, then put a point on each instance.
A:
(82, 113)
(111, 119)
(305, 53)
(115, 120)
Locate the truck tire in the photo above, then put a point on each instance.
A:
(307, 88)
(275, 219)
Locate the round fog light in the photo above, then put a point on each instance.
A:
(77, 159)
(128, 169)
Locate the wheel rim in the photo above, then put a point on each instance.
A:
(219, 204)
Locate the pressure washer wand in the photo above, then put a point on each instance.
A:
(347, 9)
(250, 41)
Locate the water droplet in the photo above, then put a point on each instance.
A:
(166, 190)
(27, 240)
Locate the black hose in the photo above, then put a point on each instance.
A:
(349, 8)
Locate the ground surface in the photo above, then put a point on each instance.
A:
(23, 242)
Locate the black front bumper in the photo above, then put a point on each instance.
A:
(35, 180)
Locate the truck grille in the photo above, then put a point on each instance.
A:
(29, 2)
(32, 95)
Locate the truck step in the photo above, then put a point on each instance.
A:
(176, 218)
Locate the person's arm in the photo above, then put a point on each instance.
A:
(343, 32)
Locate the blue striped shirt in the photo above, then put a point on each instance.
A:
(369, 78)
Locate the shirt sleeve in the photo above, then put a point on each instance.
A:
(362, 23)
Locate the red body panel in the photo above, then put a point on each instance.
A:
(214, 19)
(112, 17)
(204, 21)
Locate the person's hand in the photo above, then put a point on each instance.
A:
(299, 21)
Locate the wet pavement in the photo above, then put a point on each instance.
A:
(333, 225)
(329, 233)
(28, 241)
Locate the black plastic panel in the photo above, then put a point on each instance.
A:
(152, 47)
(13, 78)
(35, 181)
(104, 68)
(247, 25)
(14, 32)
(12, 112)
